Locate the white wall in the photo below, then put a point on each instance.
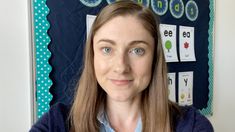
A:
(224, 67)
(15, 70)
(15, 112)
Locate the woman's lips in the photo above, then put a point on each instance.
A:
(120, 82)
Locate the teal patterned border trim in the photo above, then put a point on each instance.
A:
(43, 68)
(208, 111)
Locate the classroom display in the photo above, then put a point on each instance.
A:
(60, 31)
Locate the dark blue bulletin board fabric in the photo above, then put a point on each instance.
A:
(67, 31)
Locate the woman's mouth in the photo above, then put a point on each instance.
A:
(121, 82)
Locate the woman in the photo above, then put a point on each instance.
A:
(123, 86)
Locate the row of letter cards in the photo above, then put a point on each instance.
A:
(186, 43)
(185, 87)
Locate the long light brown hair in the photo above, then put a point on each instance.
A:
(155, 106)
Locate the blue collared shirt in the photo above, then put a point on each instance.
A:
(106, 127)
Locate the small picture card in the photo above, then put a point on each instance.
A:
(186, 43)
(168, 35)
(171, 86)
(89, 21)
(185, 92)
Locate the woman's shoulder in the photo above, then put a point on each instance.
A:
(191, 120)
(56, 119)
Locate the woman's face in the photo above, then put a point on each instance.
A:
(123, 56)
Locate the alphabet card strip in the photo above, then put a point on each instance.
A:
(185, 95)
(168, 34)
(171, 86)
(186, 40)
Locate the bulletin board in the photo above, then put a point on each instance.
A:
(60, 35)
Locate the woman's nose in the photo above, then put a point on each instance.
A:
(122, 64)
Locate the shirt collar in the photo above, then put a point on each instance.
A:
(102, 116)
(103, 119)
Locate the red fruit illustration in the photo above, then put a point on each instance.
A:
(186, 45)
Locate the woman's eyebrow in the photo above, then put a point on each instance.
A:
(107, 41)
(136, 42)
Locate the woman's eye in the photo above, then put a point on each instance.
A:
(137, 51)
(106, 50)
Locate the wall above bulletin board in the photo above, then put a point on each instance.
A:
(60, 29)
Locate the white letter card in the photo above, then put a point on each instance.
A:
(89, 21)
(185, 91)
(186, 43)
(171, 86)
(168, 35)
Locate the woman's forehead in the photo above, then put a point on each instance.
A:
(123, 26)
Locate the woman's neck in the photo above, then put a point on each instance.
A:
(124, 115)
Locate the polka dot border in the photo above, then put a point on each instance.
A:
(43, 68)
